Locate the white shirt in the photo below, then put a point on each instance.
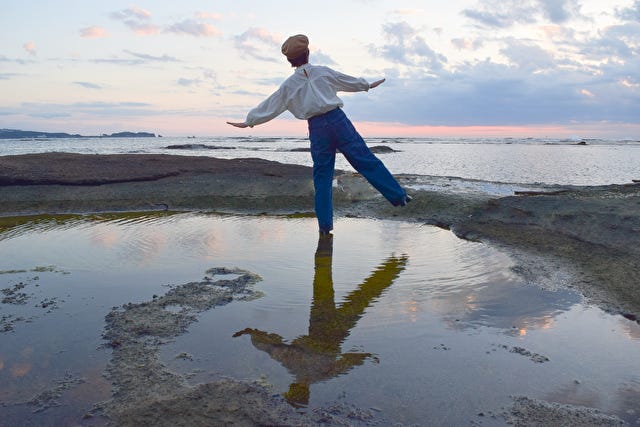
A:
(310, 91)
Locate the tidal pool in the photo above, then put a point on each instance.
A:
(406, 321)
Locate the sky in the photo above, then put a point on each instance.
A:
(481, 68)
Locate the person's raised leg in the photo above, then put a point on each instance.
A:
(355, 150)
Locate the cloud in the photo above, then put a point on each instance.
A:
(88, 85)
(259, 43)
(30, 47)
(501, 14)
(210, 75)
(136, 58)
(406, 46)
(17, 61)
(559, 11)
(137, 19)
(118, 61)
(49, 115)
(189, 82)
(527, 55)
(151, 58)
(322, 58)
(468, 99)
(101, 109)
(133, 12)
(569, 80)
(558, 33)
(207, 80)
(630, 13)
(7, 76)
(560, 72)
(494, 94)
(193, 28)
(243, 92)
(93, 32)
(615, 42)
(274, 81)
(506, 13)
(587, 93)
(467, 44)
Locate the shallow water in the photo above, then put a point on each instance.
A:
(408, 321)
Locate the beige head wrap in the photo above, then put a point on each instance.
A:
(295, 46)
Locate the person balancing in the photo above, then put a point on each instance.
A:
(310, 94)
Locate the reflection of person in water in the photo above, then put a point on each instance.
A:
(317, 356)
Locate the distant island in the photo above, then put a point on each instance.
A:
(129, 135)
(30, 134)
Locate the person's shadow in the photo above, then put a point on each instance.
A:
(317, 356)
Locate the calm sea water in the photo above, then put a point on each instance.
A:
(506, 160)
(432, 330)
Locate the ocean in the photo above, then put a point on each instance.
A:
(495, 160)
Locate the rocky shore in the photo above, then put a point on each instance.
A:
(595, 231)
(591, 232)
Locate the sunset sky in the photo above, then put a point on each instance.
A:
(557, 68)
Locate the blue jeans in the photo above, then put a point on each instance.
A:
(333, 131)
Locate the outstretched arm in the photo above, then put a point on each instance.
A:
(376, 83)
(238, 124)
(268, 109)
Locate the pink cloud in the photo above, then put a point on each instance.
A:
(137, 19)
(587, 93)
(133, 12)
(30, 47)
(466, 44)
(93, 32)
(145, 30)
(194, 28)
(258, 43)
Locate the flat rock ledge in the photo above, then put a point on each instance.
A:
(71, 183)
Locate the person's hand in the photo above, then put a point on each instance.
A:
(238, 124)
(376, 83)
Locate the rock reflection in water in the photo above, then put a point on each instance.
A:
(317, 356)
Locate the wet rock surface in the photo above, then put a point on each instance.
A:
(72, 183)
(533, 412)
(594, 229)
(98, 169)
(50, 398)
(22, 294)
